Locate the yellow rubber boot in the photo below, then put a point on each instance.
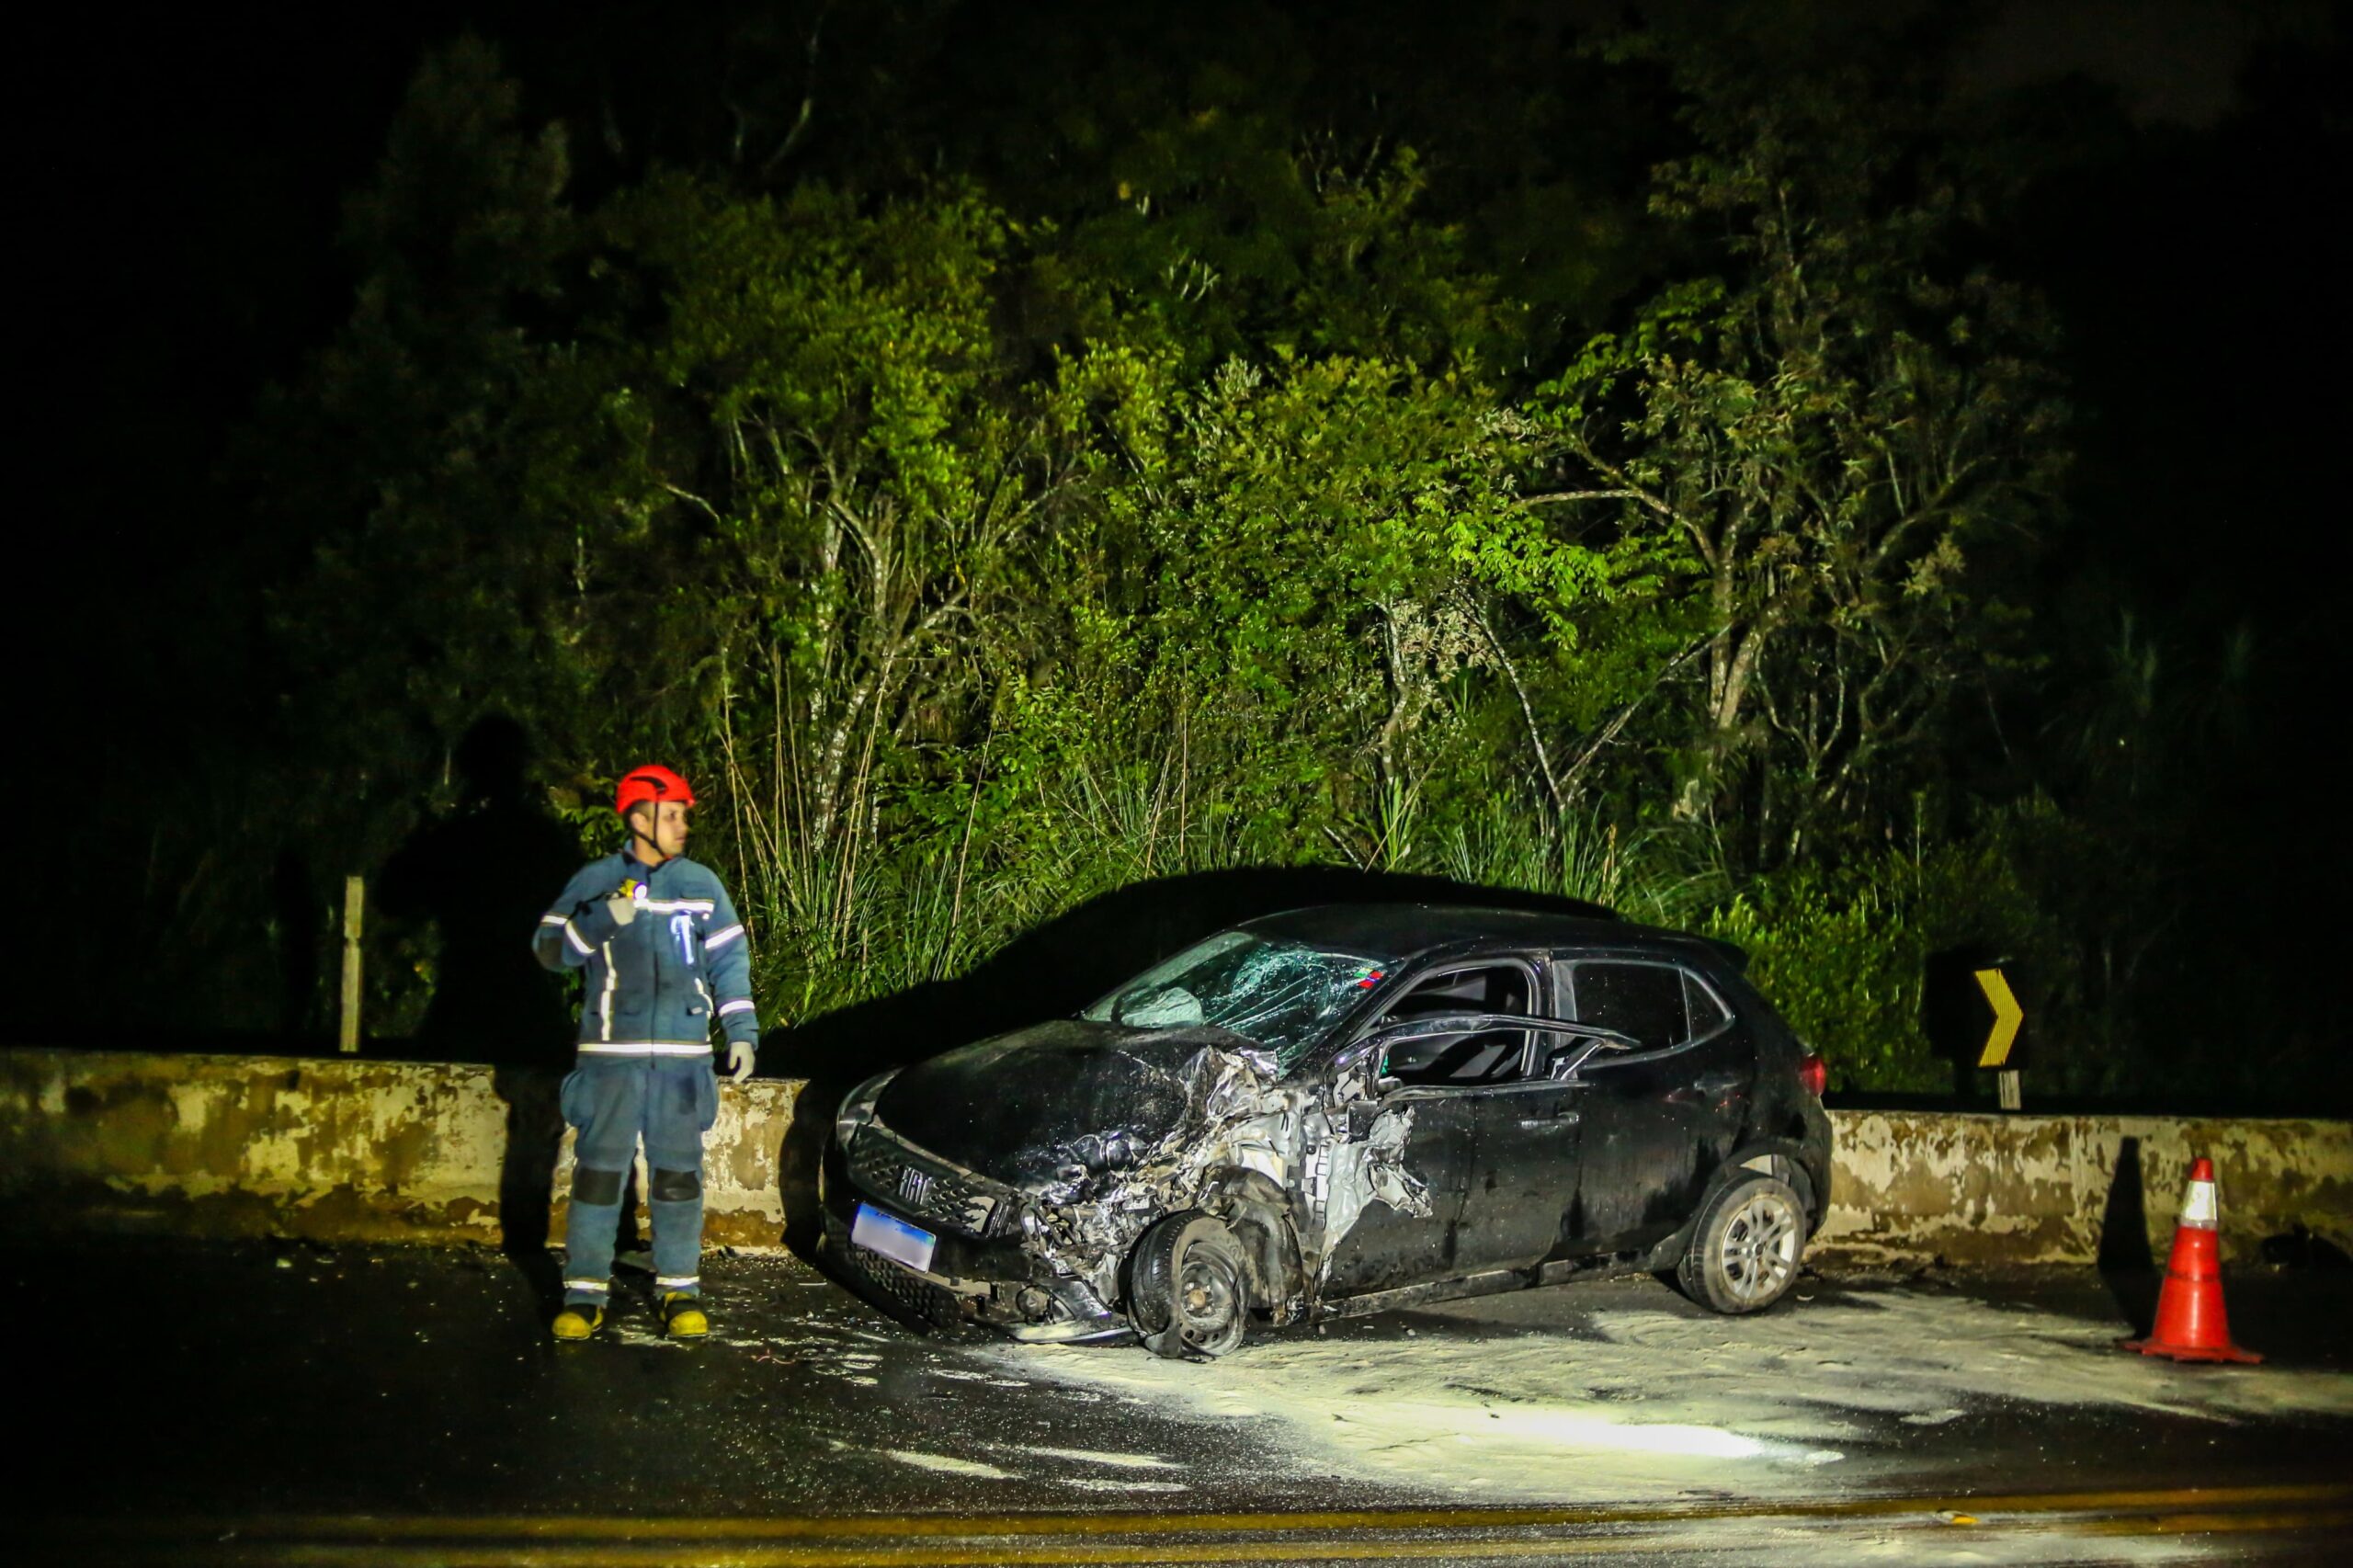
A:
(682, 1316)
(578, 1321)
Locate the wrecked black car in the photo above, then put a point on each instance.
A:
(1338, 1110)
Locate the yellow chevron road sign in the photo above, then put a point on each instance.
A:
(2007, 1016)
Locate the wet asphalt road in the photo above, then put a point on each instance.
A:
(296, 1405)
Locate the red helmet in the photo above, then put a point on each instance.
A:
(652, 782)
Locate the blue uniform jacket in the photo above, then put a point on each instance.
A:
(655, 984)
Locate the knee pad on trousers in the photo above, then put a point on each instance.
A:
(600, 1187)
(674, 1186)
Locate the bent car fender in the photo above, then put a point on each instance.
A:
(1781, 1158)
(1296, 1140)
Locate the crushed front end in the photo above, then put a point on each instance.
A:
(1180, 1119)
(981, 1268)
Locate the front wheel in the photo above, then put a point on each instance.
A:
(1744, 1251)
(1188, 1292)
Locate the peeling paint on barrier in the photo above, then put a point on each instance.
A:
(335, 1149)
(323, 1149)
(2030, 1190)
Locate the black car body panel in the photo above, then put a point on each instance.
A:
(1057, 1101)
(1356, 1158)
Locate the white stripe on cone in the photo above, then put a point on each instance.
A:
(2199, 1208)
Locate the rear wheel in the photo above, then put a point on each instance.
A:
(1188, 1293)
(1744, 1250)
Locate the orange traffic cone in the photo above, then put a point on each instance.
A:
(2190, 1325)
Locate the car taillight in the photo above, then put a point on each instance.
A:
(1814, 1074)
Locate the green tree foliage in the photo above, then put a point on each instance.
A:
(1847, 433)
(976, 556)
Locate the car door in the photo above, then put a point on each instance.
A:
(1659, 1120)
(1386, 1247)
(1528, 1153)
(1497, 1150)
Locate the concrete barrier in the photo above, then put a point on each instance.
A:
(2038, 1189)
(346, 1149)
(313, 1148)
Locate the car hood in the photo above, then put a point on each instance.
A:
(1063, 1100)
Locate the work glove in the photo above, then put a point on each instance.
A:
(739, 1060)
(621, 907)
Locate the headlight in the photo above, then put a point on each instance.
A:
(857, 1108)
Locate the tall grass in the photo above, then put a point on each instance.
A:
(1644, 875)
(932, 903)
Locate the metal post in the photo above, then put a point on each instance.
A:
(355, 903)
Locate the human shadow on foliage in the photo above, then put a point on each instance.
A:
(482, 876)
(2126, 1265)
(1053, 970)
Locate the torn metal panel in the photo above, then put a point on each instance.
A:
(1370, 1170)
(1191, 1111)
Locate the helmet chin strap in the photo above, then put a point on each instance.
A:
(651, 842)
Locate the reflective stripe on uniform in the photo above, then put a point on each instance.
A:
(721, 938)
(553, 920)
(573, 935)
(678, 1282)
(736, 1006)
(599, 1286)
(678, 906)
(643, 1047)
(605, 1003)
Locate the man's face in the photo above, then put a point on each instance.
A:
(665, 823)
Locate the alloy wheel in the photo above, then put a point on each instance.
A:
(1760, 1247)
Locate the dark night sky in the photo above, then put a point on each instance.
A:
(189, 164)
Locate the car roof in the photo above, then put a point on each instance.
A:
(1401, 931)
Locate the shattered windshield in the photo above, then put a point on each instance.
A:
(1282, 995)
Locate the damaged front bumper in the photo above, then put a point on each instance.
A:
(1046, 1262)
(980, 1274)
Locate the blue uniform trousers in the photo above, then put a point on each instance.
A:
(669, 1101)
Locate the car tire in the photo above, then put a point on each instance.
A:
(1746, 1248)
(1188, 1292)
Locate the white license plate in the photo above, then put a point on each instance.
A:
(892, 1237)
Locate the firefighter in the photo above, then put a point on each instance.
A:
(664, 956)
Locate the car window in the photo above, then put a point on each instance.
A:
(1488, 1056)
(1707, 1013)
(1644, 1000)
(1280, 996)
